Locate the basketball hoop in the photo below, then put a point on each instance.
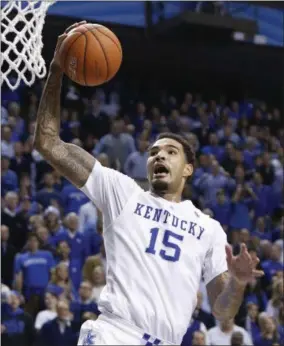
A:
(21, 41)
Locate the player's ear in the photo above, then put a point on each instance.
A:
(188, 170)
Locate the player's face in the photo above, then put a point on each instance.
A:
(167, 166)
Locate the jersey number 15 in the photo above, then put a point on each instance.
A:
(169, 241)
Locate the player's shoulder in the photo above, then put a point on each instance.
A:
(205, 218)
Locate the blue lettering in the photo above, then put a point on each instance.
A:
(157, 215)
(201, 231)
(138, 209)
(191, 228)
(147, 214)
(175, 221)
(182, 225)
(167, 215)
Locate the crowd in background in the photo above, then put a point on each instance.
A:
(53, 261)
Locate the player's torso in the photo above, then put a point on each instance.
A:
(155, 253)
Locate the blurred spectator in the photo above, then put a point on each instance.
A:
(95, 122)
(49, 314)
(136, 163)
(269, 335)
(20, 163)
(14, 221)
(88, 216)
(53, 223)
(60, 283)
(98, 282)
(75, 239)
(16, 325)
(61, 330)
(8, 253)
(273, 265)
(266, 169)
(222, 209)
(73, 264)
(84, 304)
(73, 198)
(48, 195)
(222, 334)
(117, 144)
(261, 230)
(32, 273)
(43, 236)
(7, 146)
(251, 323)
(273, 306)
(198, 338)
(9, 179)
(237, 339)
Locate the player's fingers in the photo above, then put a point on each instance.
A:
(60, 40)
(258, 273)
(243, 250)
(74, 26)
(229, 253)
(255, 261)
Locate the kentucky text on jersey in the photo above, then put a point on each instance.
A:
(163, 215)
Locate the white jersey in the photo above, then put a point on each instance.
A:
(157, 252)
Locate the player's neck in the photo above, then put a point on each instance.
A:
(171, 197)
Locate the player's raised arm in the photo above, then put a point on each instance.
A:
(71, 161)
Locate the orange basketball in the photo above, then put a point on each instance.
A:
(90, 55)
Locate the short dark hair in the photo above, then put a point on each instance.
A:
(33, 235)
(188, 150)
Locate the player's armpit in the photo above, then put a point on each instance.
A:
(225, 295)
(73, 162)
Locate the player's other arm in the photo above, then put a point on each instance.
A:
(226, 276)
(70, 160)
(225, 295)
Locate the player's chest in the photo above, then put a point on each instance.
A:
(170, 234)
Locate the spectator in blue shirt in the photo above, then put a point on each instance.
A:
(214, 148)
(222, 209)
(242, 199)
(75, 239)
(16, 325)
(73, 198)
(74, 264)
(9, 179)
(53, 223)
(32, 270)
(210, 183)
(268, 332)
(136, 163)
(263, 193)
(251, 322)
(48, 194)
(260, 230)
(84, 303)
(273, 265)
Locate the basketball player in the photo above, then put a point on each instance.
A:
(158, 247)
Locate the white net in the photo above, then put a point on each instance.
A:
(21, 41)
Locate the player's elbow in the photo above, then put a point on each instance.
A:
(222, 315)
(43, 144)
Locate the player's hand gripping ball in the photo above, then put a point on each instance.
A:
(90, 54)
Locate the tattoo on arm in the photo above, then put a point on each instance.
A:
(225, 295)
(70, 160)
